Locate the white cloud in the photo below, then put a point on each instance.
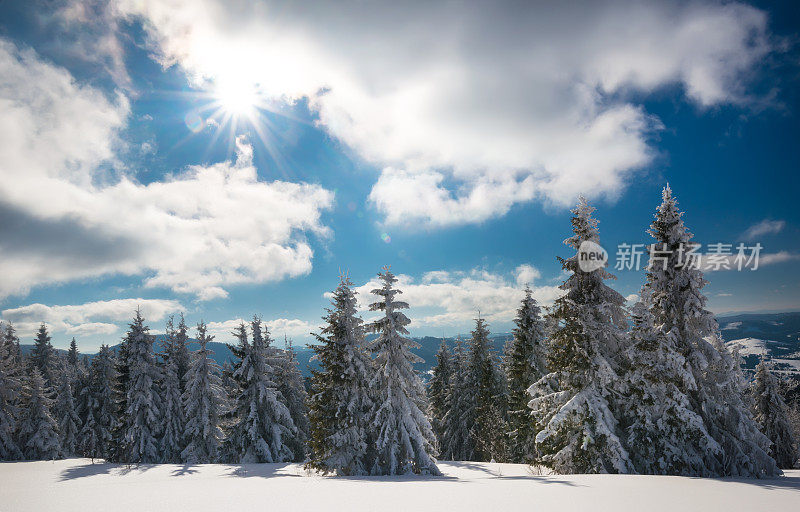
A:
(291, 327)
(471, 111)
(778, 257)
(765, 227)
(66, 216)
(716, 263)
(452, 299)
(83, 319)
(527, 274)
(633, 298)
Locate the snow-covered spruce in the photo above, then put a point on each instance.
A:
(143, 403)
(573, 404)
(404, 440)
(43, 356)
(291, 386)
(665, 435)
(673, 286)
(260, 421)
(181, 351)
(438, 388)
(524, 364)
(202, 402)
(118, 448)
(38, 431)
(10, 394)
(484, 414)
(770, 412)
(173, 419)
(100, 419)
(456, 440)
(65, 413)
(340, 400)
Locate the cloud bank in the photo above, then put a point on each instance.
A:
(471, 108)
(70, 210)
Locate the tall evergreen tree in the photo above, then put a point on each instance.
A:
(673, 286)
(340, 400)
(10, 395)
(260, 421)
(119, 448)
(68, 421)
(43, 356)
(38, 431)
(665, 436)
(404, 439)
(202, 402)
(173, 418)
(484, 415)
(144, 409)
(577, 431)
(101, 420)
(291, 385)
(525, 364)
(73, 356)
(10, 335)
(457, 443)
(181, 350)
(770, 413)
(438, 389)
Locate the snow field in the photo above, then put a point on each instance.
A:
(78, 485)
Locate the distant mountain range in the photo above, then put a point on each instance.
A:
(775, 335)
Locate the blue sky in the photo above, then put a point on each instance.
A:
(379, 136)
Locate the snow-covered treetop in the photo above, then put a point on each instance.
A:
(392, 321)
(668, 226)
(584, 226)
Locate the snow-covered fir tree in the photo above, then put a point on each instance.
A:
(173, 419)
(38, 431)
(73, 356)
(69, 424)
(119, 449)
(485, 411)
(43, 356)
(100, 420)
(10, 395)
(525, 364)
(181, 351)
(291, 385)
(340, 400)
(577, 431)
(404, 441)
(438, 389)
(143, 418)
(457, 443)
(261, 424)
(674, 287)
(770, 412)
(11, 338)
(665, 435)
(202, 404)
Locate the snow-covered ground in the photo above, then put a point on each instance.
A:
(79, 485)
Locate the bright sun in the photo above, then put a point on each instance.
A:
(237, 98)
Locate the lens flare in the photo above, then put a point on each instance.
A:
(194, 122)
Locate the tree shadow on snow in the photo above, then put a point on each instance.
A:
(101, 468)
(259, 470)
(790, 481)
(498, 474)
(184, 469)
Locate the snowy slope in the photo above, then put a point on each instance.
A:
(78, 485)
